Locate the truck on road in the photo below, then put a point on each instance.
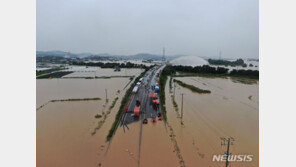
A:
(156, 89)
(136, 88)
(137, 111)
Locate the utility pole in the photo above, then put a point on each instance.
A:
(174, 89)
(106, 95)
(182, 106)
(227, 153)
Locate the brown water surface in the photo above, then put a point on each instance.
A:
(99, 72)
(64, 128)
(64, 134)
(51, 89)
(226, 112)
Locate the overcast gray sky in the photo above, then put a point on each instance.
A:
(124, 27)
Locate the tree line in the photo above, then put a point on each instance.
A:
(110, 65)
(206, 69)
(238, 62)
(248, 73)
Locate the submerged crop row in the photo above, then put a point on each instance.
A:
(191, 87)
(57, 74)
(100, 77)
(167, 71)
(43, 72)
(104, 115)
(82, 99)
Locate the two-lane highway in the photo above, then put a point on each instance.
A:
(148, 83)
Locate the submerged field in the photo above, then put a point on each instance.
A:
(101, 72)
(228, 111)
(67, 88)
(69, 134)
(64, 134)
(73, 132)
(52, 89)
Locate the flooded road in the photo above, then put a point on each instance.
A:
(231, 110)
(138, 144)
(123, 150)
(157, 149)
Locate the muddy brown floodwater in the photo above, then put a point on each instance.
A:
(228, 111)
(155, 150)
(65, 129)
(99, 72)
(51, 89)
(64, 134)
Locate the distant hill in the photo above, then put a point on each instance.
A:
(145, 56)
(54, 53)
(139, 56)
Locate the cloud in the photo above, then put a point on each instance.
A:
(191, 27)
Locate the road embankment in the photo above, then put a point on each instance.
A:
(124, 102)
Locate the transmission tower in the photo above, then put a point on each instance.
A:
(163, 55)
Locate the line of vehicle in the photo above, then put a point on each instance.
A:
(146, 94)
